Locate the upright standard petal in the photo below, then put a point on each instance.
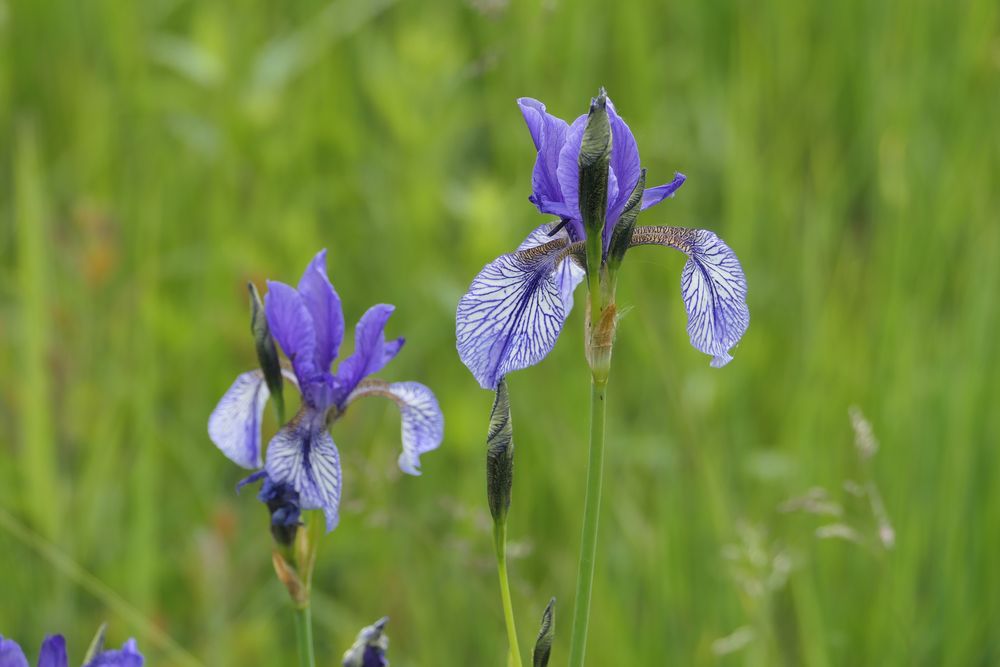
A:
(423, 423)
(713, 286)
(302, 455)
(549, 135)
(53, 652)
(653, 196)
(323, 304)
(234, 425)
(292, 326)
(568, 173)
(624, 165)
(371, 351)
(11, 654)
(128, 656)
(515, 308)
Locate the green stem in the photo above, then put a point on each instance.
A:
(591, 514)
(500, 541)
(304, 633)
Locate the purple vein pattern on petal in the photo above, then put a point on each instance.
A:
(53, 652)
(514, 310)
(653, 196)
(624, 166)
(128, 656)
(234, 425)
(302, 454)
(714, 289)
(371, 351)
(292, 326)
(548, 134)
(11, 654)
(423, 423)
(323, 304)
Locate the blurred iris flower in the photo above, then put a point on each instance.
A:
(53, 654)
(515, 308)
(302, 466)
(370, 647)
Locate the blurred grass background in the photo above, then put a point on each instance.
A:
(155, 156)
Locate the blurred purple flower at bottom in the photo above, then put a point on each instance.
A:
(53, 654)
(369, 648)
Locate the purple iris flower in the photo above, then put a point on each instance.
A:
(370, 647)
(302, 464)
(53, 654)
(515, 308)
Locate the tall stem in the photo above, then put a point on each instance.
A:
(500, 541)
(591, 514)
(304, 634)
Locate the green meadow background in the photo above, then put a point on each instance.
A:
(155, 156)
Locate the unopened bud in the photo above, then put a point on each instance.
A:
(543, 645)
(594, 161)
(500, 455)
(267, 354)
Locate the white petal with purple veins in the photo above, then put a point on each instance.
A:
(715, 290)
(302, 454)
(423, 423)
(515, 308)
(234, 425)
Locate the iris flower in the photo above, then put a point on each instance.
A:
(302, 464)
(370, 647)
(53, 654)
(515, 308)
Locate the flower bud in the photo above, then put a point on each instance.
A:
(267, 354)
(621, 235)
(543, 645)
(370, 647)
(594, 161)
(500, 455)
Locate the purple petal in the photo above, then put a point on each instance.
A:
(515, 308)
(714, 289)
(653, 196)
(234, 425)
(11, 654)
(549, 134)
(53, 652)
(292, 326)
(128, 656)
(423, 423)
(323, 305)
(371, 351)
(568, 171)
(302, 455)
(624, 166)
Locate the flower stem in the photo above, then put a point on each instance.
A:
(591, 514)
(500, 542)
(303, 631)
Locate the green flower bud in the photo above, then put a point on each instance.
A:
(500, 455)
(267, 354)
(543, 645)
(594, 161)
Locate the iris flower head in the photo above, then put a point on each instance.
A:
(301, 468)
(53, 654)
(370, 647)
(515, 307)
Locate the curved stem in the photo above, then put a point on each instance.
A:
(500, 541)
(591, 514)
(303, 632)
